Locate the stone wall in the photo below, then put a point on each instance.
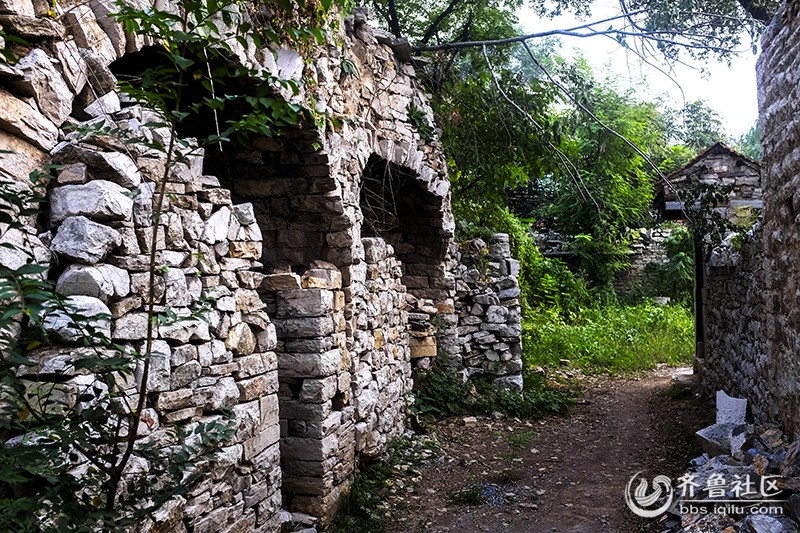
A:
(325, 256)
(752, 310)
(646, 255)
(488, 309)
(101, 221)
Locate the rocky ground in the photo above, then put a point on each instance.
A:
(563, 474)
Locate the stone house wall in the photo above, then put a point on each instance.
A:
(752, 312)
(325, 256)
(646, 254)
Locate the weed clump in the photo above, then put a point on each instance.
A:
(443, 393)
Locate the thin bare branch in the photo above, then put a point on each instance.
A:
(595, 118)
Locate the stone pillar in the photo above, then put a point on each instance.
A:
(489, 312)
(317, 430)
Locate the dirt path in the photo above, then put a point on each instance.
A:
(562, 474)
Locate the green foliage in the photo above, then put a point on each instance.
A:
(520, 440)
(613, 189)
(613, 339)
(547, 286)
(698, 126)
(359, 510)
(443, 393)
(472, 494)
(420, 121)
(676, 276)
(749, 143)
(468, 106)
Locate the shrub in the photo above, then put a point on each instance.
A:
(443, 393)
(547, 285)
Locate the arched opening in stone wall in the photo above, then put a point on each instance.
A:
(399, 209)
(290, 257)
(299, 211)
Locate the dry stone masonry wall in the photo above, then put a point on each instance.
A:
(751, 304)
(646, 255)
(321, 259)
(101, 226)
(489, 312)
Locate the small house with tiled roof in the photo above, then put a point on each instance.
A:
(720, 165)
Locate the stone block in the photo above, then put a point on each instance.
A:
(110, 166)
(281, 282)
(223, 395)
(82, 240)
(250, 389)
(269, 410)
(185, 374)
(216, 228)
(131, 327)
(43, 81)
(304, 327)
(304, 303)
(309, 449)
(69, 324)
(251, 365)
(159, 372)
(322, 278)
(248, 301)
(310, 365)
(422, 346)
(23, 120)
(172, 400)
(100, 281)
(267, 339)
(240, 340)
(318, 390)
(294, 410)
(260, 442)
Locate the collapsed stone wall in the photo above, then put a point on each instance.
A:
(752, 311)
(489, 311)
(646, 255)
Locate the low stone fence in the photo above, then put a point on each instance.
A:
(488, 310)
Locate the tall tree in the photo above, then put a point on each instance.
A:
(698, 126)
(750, 143)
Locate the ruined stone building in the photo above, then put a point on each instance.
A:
(325, 255)
(732, 183)
(752, 311)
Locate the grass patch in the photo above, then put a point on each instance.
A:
(520, 440)
(614, 338)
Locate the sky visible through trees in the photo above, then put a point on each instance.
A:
(729, 90)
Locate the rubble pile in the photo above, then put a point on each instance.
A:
(747, 480)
